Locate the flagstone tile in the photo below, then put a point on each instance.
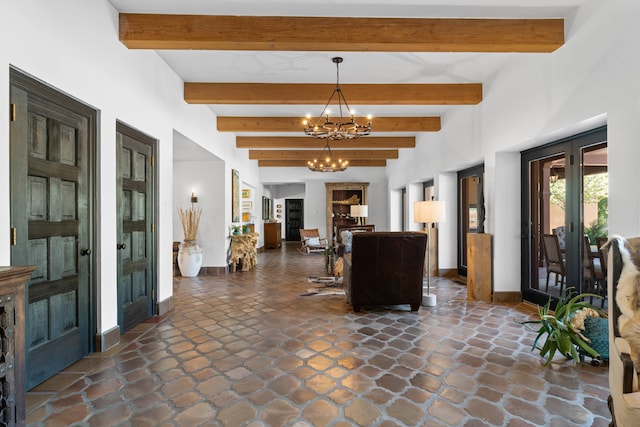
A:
(247, 349)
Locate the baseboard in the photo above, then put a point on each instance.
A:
(507, 297)
(212, 271)
(108, 339)
(448, 273)
(165, 306)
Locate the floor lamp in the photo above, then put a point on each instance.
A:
(429, 212)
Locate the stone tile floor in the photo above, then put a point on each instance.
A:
(246, 349)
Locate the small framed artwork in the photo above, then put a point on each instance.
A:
(246, 193)
(247, 206)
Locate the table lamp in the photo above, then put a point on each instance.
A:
(360, 212)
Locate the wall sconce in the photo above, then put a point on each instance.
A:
(194, 199)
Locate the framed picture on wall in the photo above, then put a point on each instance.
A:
(235, 196)
(266, 207)
(246, 193)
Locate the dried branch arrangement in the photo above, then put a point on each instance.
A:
(190, 219)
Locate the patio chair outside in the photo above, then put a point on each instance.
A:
(555, 261)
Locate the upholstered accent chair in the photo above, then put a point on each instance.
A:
(345, 234)
(385, 268)
(562, 235)
(624, 401)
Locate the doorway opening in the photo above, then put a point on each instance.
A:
(470, 210)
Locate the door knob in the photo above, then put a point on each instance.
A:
(85, 252)
(122, 246)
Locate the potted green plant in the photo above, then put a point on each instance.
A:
(236, 229)
(561, 329)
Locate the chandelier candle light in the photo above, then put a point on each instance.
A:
(429, 212)
(340, 127)
(327, 163)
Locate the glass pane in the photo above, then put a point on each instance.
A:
(469, 211)
(548, 204)
(595, 214)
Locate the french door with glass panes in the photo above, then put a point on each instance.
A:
(564, 196)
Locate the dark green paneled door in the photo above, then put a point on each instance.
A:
(51, 214)
(136, 248)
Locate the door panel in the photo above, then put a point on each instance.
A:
(294, 217)
(51, 212)
(136, 249)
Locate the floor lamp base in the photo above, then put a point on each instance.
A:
(429, 300)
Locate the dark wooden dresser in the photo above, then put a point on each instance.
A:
(12, 362)
(272, 235)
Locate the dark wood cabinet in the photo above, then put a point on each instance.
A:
(272, 235)
(12, 359)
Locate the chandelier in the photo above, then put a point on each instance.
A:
(336, 128)
(327, 163)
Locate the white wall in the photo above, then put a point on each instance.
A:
(536, 99)
(206, 178)
(73, 46)
(310, 186)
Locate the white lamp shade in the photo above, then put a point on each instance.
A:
(359, 211)
(429, 211)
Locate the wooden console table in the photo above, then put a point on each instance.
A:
(12, 364)
(243, 250)
(272, 235)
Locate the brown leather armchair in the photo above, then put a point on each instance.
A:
(385, 268)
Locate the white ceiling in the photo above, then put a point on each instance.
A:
(358, 67)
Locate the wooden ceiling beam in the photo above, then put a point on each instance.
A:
(311, 154)
(294, 124)
(316, 93)
(337, 34)
(303, 163)
(309, 142)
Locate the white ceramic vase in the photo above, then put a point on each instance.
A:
(189, 258)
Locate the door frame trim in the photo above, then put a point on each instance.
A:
(31, 84)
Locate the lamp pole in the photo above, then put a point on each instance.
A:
(429, 299)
